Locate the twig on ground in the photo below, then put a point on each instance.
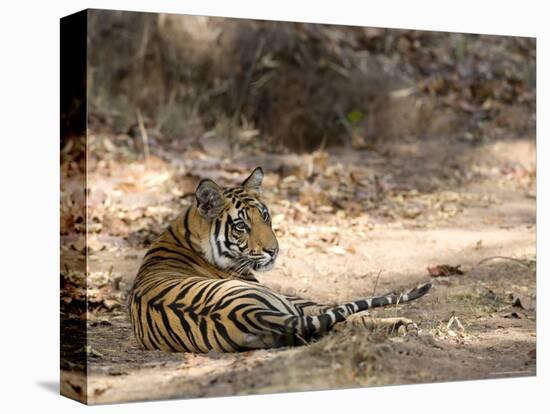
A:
(323, 143)
(455, 320)
(521, 262)
(376, 282)
(144, 135)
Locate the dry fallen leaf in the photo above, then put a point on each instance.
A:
(444, 270)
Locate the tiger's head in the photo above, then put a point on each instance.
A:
(240, 236)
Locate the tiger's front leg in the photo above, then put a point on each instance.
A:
(393, 326)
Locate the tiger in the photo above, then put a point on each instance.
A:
(195, 290)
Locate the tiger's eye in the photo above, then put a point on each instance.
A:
(240, 226)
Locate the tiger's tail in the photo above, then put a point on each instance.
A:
(309, 327)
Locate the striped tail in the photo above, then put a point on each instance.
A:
(309, 327)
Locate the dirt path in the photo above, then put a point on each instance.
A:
(480, 324)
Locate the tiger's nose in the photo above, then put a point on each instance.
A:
(272, 251)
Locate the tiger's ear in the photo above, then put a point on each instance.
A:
(210, 199)
(254, 180)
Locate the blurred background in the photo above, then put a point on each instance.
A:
(300, 86)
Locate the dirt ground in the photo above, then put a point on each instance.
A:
(350, 224)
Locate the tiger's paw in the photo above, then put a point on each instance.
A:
(393, 326)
